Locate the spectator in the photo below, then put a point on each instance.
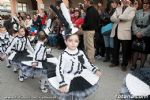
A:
(111, 6)
(43, 19)
(141, 28)
(28, 22)
(121, 32)
(89, 27)
(37, 24)
(21, 21)
(78, 22)
(98, 38)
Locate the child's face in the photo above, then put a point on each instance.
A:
(72, 42)
(22, 32)
(2, 30)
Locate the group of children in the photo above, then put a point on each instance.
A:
(73, 76)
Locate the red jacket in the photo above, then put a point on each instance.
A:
(43, 19)
(78, 22)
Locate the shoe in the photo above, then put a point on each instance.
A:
(1, 59)
(21, 78)
(113, 65)
(15, 70)
(106, 60)
(25, 77)
(44, 90)
(133, 68)
(98, 57)
(124, 68)
(8, 66)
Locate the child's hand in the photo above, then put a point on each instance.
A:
(49, 51)
(34, 64)
(98, 73)
(3, 57)
(63, 89)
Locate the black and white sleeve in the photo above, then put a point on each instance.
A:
(88, 65)
(60, 70)
(29, 47)
(13, 42)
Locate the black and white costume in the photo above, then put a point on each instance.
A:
(20, 45)
(136, 85)
(75, 71)
(5, 39)
(40, 55)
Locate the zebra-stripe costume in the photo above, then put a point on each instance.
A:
(72, 70)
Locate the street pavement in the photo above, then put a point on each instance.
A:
(11, 89)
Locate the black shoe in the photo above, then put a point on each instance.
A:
(106, 60)
(124, 64)
(1, 59)
(113, 65)
(133, 68)
(8, 66)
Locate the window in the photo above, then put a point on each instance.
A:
(22, 7)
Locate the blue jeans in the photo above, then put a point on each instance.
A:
(109, 42)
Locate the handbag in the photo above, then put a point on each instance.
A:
(138, 45)
(106, 30)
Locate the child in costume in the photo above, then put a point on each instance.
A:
(5, 39)
(41, 56)
(76, 78)
(136, 85)
(20, 44)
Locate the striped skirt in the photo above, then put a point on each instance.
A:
(79, 89)
(21, 56)
(48, 70)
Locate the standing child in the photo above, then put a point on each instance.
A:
(41, 57)
(76, 77)
(4, 42)
(20, 44)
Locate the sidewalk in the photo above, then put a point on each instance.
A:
(11, 88)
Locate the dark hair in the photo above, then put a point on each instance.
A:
(42, 36)
(28, 15)
(68, 36)
(26, 31)
(45, 12)
(20, 17)
(1, 26)
(146, 1)
(79, 13)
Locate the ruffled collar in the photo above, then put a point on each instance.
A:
(40, 42)
(72, 52)
(19, 36)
